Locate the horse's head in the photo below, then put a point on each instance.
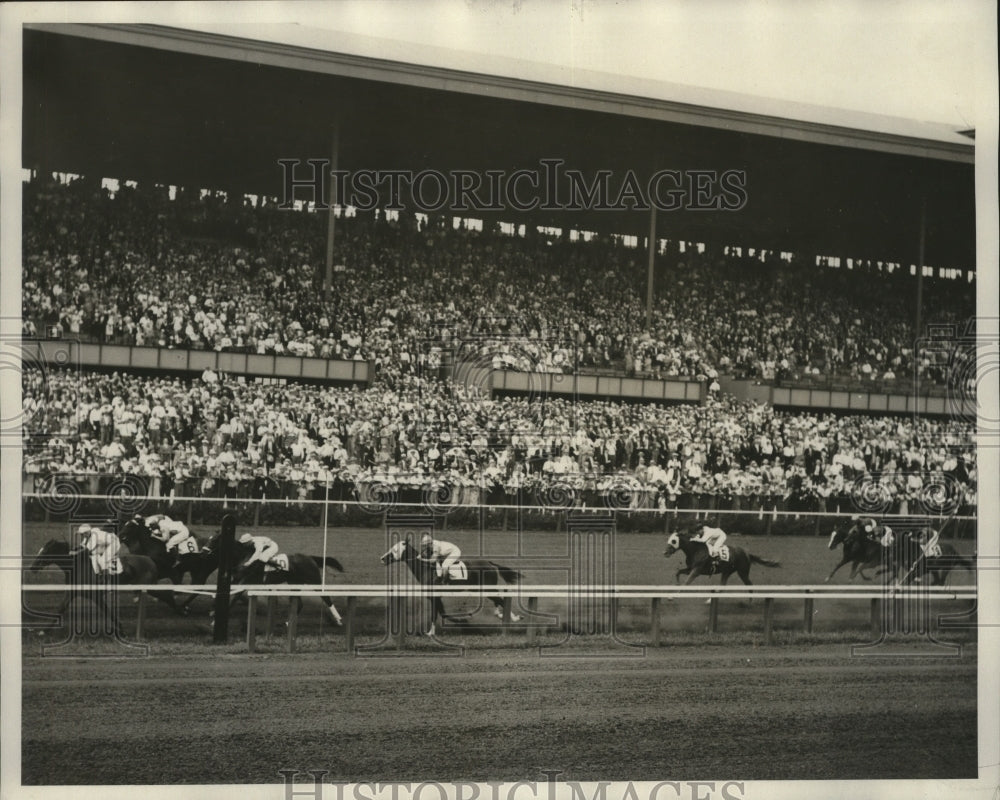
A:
(133, 532)
(50, 553)
(673, 544)
(838, 536)
(400, 551)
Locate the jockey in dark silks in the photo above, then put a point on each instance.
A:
(875, 532)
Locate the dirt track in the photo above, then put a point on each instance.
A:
(736, 713)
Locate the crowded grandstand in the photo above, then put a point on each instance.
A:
(152, 266)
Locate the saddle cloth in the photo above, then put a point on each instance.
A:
(279, 562)
(114, 568)
(723, 553)
(458, 571)
(189, 545)
(934, 552)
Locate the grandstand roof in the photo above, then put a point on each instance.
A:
(204, 108)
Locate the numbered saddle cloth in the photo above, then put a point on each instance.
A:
(722, 554)
(934, 552)
(458, 571)
(189, 545)
(115, 567)
(278, 563)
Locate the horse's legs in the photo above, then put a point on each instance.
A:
(834, 570)
(333, 610)
(498, 610)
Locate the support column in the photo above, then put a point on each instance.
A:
(331, 216)
(920, 267)
(651, 248)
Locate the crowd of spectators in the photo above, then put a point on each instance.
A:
(200, 272)
(216, 436)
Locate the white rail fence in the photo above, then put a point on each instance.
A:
(396, 595)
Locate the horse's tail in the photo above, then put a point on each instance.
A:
(330, 562)
(764, 562)
(508, 574)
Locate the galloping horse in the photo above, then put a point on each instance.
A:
(936, 567)
(699, 562)
(859, 551)
(83, 583)
(904, 554)
(481, 572)
(199, 565)
(302, 570)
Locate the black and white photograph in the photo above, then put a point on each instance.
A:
(499, 401)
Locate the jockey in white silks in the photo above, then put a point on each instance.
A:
(930, 548)
(264, 548)
(153, 525)
(102, 546)
(175, 534)
(442, 552)
(713, 538)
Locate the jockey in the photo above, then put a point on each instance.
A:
(264, 548)
(713, 538)
(877, 533)
(175, 533)
(103, 547)
(153, 525)
(930, 548)
(444, 553)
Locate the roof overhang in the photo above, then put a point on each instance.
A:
(789, 121)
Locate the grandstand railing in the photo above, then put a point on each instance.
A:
(71, 352)
(396, 595)
(522, 513)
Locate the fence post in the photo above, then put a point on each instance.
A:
(875, 621)
(272, 603)
(293, 622)
(768, 620)
(400, 605)
(808, 615)
(532, 607)
(251, 623)
(352, 603)
(227, 539)
(713, 615)
(140, 618)
(654, 622)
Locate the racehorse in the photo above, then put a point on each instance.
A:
(82, 582)
(480, 572)
(859, 551)
(302, 570)
(903, 554)
(699, 562)
(934, 567)
(199, 565)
